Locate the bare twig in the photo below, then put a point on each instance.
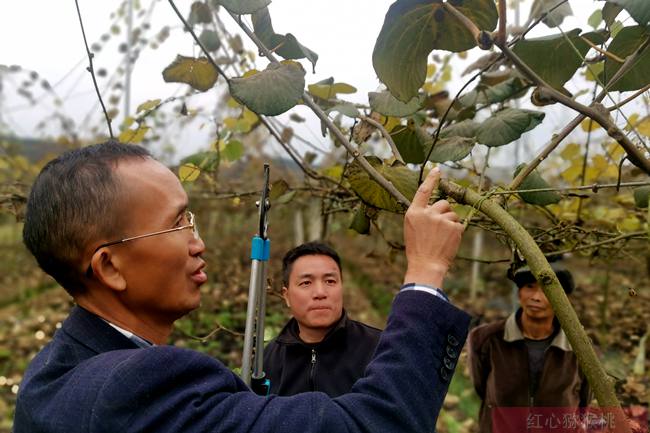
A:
(594, 188)
(630, 98)
(501, 34)
(387, 136)
(640, 234)
(602, 51)
(91, 69)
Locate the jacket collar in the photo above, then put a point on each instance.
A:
(512, 333)
(93, 332)
(290, 332)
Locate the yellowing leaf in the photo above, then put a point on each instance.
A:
(631, 121)
(588, 125)
(335, 172)
(133, 136)
(188, 172)
(591, 174)
(629, 224)
(570, 151)
(230, 122)
(599, 162)
(198, 73)
(128, 122)
(249, 116)
(147, 105)
(431, 69)
(615, 151)
(327, 91)
(643, 127)
(572, 173)
(232, 103)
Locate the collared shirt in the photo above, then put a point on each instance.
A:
(435, 291)
(138, 341)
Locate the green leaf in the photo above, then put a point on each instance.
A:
(507, 125)
(273, 91)
(411, 142)
(210, 40)
(286, 46)
(466, 128)
(451, 149)
(624, 44)
(148, 105)
(485, 94)
(638, 9)
(610, 12)
(234, 150)
(198, 73)
(347, 109)
(554, 57)
(243, 7)
(595, 18)
(360, 222)
(327, 90)
(200, 13)
(414, 28)
(555, 15)
(642, 197)
(388, 105)
(535, 181)
(375, 195)
(205, 160)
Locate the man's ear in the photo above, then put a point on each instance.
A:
(106, 270)
(285, 295)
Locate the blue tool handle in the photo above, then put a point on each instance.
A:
(260, 249)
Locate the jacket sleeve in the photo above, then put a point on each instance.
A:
(167, 389)
(479, 361)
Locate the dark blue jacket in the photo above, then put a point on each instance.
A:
(90, 378)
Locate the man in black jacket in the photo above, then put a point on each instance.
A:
(320, 348)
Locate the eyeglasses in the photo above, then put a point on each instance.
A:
(189, 216)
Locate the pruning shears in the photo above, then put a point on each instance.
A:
(252, 372)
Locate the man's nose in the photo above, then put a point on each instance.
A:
(197, 247)
(319, 290)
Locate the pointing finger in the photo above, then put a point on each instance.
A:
(421, 198)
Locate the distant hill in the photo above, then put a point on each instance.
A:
(34, 149)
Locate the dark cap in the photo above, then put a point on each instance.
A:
(523, 276)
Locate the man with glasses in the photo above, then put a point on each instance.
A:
(111, 225)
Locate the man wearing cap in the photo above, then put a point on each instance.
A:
(526, 360)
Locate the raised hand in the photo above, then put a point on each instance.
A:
(432, 235)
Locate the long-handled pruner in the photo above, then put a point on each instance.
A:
(252, 371)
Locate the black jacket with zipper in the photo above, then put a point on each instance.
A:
(330, 366)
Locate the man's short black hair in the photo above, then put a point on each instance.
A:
(75, 200)
(523, 276)
(307, 249)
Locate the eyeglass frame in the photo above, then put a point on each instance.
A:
(191, 225)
